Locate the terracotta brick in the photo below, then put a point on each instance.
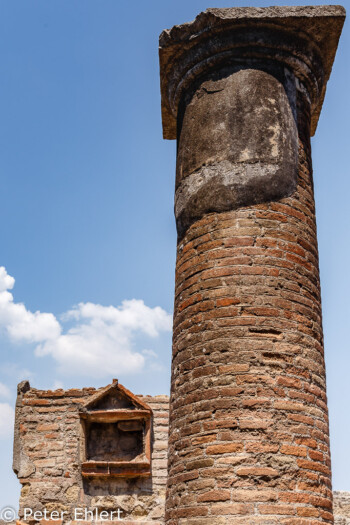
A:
(236, 509)
(253, 424)
(225, 448)
(277, 509)
(257, 471)
(47, 428)
(214, 495)
(293, 450)
(258, 447)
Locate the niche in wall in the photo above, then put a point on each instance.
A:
(115, 434)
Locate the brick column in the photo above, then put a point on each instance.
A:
(242, 90)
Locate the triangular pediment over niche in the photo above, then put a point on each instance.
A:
(115, 397)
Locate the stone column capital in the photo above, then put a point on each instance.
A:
(304, 39)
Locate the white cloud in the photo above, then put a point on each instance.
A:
(19, 323)
(100, 341)
(6, 281)
(7, 418)
(4, 391)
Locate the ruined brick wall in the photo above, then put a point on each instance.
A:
(48, 466)
(341, 503)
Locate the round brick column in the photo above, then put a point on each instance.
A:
(249, 440)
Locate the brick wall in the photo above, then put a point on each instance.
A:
(47, 460)
(341, 501)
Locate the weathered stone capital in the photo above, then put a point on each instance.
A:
(239, 87)
(303, 38)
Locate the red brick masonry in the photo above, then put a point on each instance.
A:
(249, 425)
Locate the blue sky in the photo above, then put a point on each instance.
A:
(87, 220)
